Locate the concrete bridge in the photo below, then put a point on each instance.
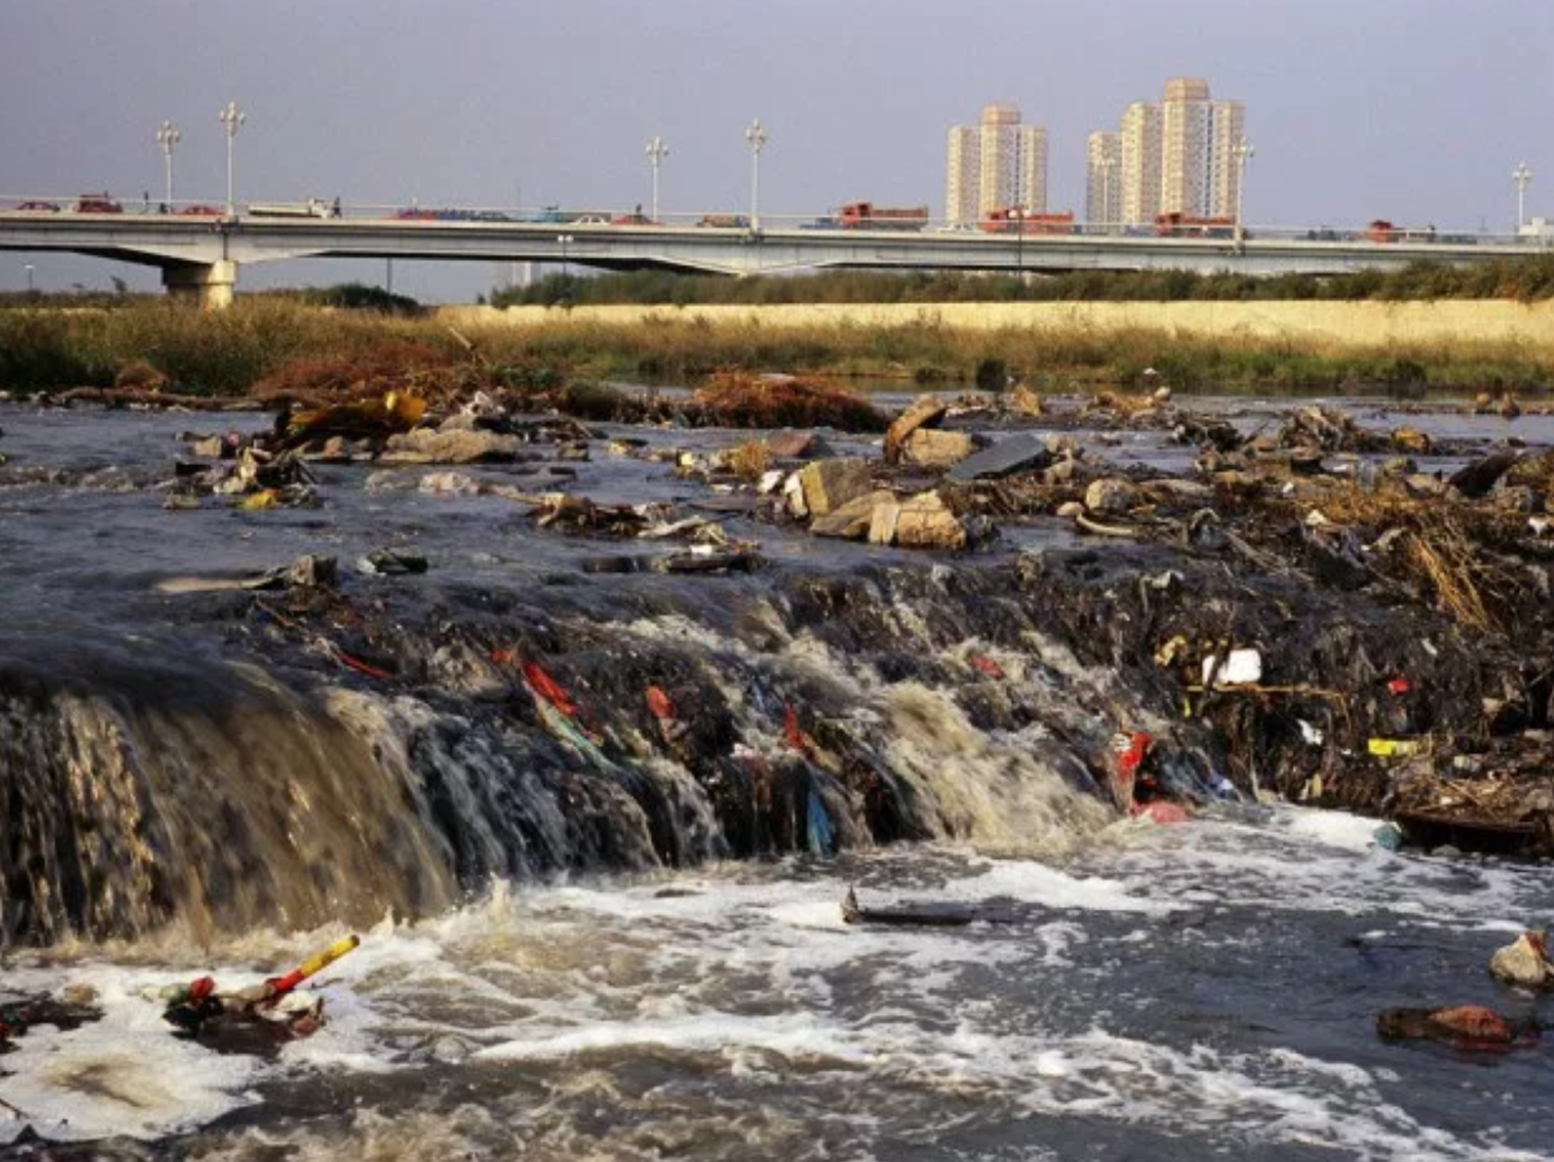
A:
(200, 255)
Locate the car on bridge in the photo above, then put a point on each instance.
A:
(103, 203)
(38, 207)
(200, 210)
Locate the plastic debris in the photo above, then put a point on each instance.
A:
(1524, 962)
(1238, 668)
(1391, 748)
(1388, 836)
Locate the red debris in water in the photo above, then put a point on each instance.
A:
(795, 735)
(1400, 685)
(987, 665)
(659, 705)
(546, 687)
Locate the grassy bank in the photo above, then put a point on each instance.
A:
(225, 353)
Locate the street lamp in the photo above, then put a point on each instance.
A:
(756, 136)
(657, 150)
(1242, 151)
(168, 137)
(563, 240)
(232, 117)
(1521, 175)
(28, 268)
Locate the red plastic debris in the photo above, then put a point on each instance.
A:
(987, 665)
(1400, 685)
(795, 735)
(547, 688)
(659, 705)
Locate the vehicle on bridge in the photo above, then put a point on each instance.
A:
(102, 203)
(1175, 224)
(38, 207)
(636, 218)
(868, 216)
(1018, 220)
(200, 210)
(725, 221)
(312, 208)
(1380, 230)
(543, 214)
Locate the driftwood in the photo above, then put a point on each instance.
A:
(145, 397)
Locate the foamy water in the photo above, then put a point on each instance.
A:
(1173, 991)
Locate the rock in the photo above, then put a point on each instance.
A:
(1062, 472)
(211, 447)
(1171, 488)
(314, 572)
(829, 484)
(937, 448)
(1423, 484)
(1023, 453)
(449, 484)
(1412, 441)
(1071, 509)
(1524, 962)
(789, 445)
(391, 563)
(1112, 496)
(925, 522)
(1479, 477)
(852, 520)
(927, 410)
(426, 446)
(1306, 461)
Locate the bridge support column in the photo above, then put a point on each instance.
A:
(211, 283)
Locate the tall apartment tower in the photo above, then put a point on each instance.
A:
(1103, 179)
(1178, 155)
(998, 162)
(961, 175)
(1139, 151)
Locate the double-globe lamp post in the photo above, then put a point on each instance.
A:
(657, 150)
(756, 136)
(168, 138)
(1242, 151)
(1521, 176)
(232, 118)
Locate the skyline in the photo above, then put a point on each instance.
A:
(1400, 110)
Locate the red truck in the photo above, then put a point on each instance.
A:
(1381, 230)
(868, 216)
(97, 204)
(1175, 224)
(1018, 220)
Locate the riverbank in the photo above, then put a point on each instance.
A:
(1403, 348)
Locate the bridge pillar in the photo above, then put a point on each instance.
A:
(210, 283)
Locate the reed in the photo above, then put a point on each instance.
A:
(227, 353)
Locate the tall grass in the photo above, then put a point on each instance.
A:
(226, 353)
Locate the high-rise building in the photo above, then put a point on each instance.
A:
(961, 175)
(1103, 179)
(1178, 155)
(1139, 153)
(997, 163)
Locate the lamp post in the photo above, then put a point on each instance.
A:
(232, 118)
(756, 136)
(657, 150)
(563, 240)
(168, 137)
(28, 269)
(1521, 175)
(1242, 151)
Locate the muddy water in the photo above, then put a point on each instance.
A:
(231, 804)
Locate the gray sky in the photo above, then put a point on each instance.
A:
(1412, 110)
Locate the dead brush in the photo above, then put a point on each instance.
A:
(737, 399)
(1446, 564)
(749, 461)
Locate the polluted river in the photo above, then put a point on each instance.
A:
(593, 787)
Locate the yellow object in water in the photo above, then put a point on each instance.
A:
(1391, 748)
(257, 500)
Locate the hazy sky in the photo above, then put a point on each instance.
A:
(1412, 110)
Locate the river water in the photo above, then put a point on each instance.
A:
(1128, 991)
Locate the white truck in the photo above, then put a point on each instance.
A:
(312, 208)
